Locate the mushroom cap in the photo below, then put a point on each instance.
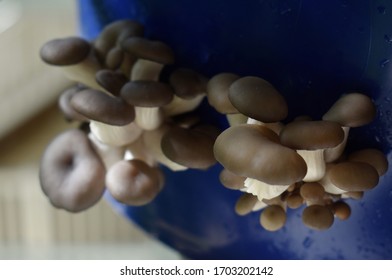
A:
(147, 93)
(245, 204)
(352, 110)
(101, 107)
(373, 157)
(189, 147)
(341, 209)
(187, 83)
(311, 135)
(114, 33)
(64, 103)
(273, 218)
(294, 200)
(114, 58)
(218, 92)
(151, 50)
(133, 182)
(312, 192)
(111, 81)
(317, 217)
(254, 151)
(353, 176)
(231, 180)
(258, 99)
(71, 173)
(65, 51)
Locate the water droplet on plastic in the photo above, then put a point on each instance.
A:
(307, 242)
(384, 62)
(382, 10)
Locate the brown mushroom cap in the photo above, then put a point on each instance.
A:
(151, 50)
(101, 107)
(114, 58)
(341, 209)
(311, 135)
(245, 204)
(147, 93)
(65, 51)
(317, 217)
(114, 33)
(133, 182)
(258, 99)
(352, 110)
(187, 83)
(312, 192)
(294, 200)
(189, 147)
(218, 92)
(373, 157)
(231, 180)
(71, 173)
(353, 176)
(111, 81)
(64, 103)
(253, 151)
(273, 218)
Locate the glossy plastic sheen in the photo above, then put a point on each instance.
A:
(312, 52)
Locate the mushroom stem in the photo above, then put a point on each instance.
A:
(108, 154)
(148, 118)
(236, 119)
(332, 154)
(329, 187)
(179, 105)
(275, 126)
(115, 135)
(315, 163)
(263, 190)
(146, 70)
(138, 150)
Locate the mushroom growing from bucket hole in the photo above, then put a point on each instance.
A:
(133, 182)
(350, 110)
(254, 152)
(72, 174)
(75, 57)
(310, 139)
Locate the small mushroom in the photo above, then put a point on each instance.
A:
(190, 147)
(71, 173)
(188, 84)
(341, 210)
(273, 218)
(373, 157)
(310, 139)
(111, 81)
(245, 204)
(134, 182)
(294, 200)
(100, 107)
(350, 110)
(218, 92)
(114, 34)
(147, 93)
(312, 193)
(75, 57)
(64, 103)
(231, 180)
(180, 106)
(317, 217)
(258, 99)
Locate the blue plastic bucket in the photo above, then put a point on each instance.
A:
(312, 52)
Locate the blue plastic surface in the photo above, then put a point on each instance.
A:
(312, 51)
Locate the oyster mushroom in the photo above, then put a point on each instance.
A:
(72, 174)
(350, 110)
(273, 218)
(310, 139)
(317, 217)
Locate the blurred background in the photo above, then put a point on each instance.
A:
(30, 228)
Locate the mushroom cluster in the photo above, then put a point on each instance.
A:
(286, 165)
(136, 121)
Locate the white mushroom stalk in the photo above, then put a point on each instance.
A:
(263, 190)
(108, 154)
(329, 187)
(149, 118)
(275, 126)
(138, 150)
(315, 163)
(332, 154)
(115, 135)
(180, 105)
